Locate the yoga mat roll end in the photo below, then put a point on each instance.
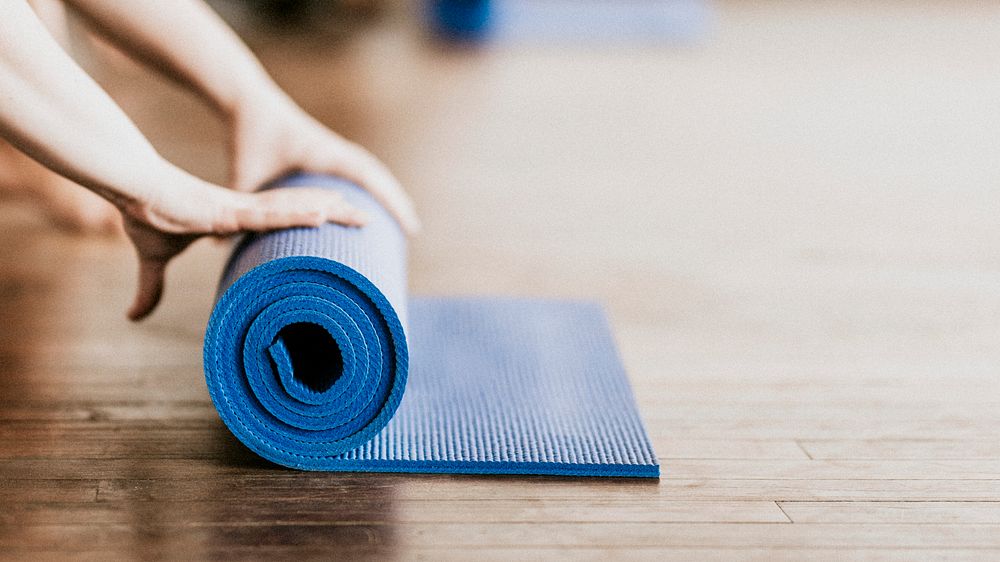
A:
(305, 351)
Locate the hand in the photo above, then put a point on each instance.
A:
(271, 136)
(164, 228)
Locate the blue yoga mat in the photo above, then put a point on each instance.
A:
(317, 358)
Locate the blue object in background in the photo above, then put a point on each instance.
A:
(314, 338)
(571, 21)
(461, 19)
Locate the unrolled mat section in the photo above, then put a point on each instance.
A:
(313, 340)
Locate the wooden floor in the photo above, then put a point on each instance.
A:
(794, 226)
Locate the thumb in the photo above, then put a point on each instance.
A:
(151, 273)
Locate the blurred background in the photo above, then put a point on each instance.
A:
(751, 188)
(768, 189)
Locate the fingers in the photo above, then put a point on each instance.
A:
(354, 163)
(288, 208)
(160, 234)
(154, 249)
(151, 274)
(260, 153)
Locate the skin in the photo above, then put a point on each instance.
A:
(57, 115)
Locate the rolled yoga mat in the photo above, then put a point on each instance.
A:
(314, 339)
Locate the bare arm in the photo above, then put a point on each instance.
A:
(53, 111)
(271, 135)
(185, 40)
(57, 114)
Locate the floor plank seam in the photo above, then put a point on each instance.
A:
(891, 501)
(783, 512)
(804, 450)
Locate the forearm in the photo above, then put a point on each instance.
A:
(271, 135)
(186, 41)
(53, 111)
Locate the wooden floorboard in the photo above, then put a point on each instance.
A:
(679, 554)
(920, 513)
(517, 535)
(793, 226)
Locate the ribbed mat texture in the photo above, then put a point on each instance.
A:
(313, 340)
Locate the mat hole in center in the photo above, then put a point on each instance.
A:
(317, 361)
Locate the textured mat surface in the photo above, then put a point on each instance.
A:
(307, 359)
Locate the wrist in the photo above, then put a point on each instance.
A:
(172, 200)
(256, 94)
